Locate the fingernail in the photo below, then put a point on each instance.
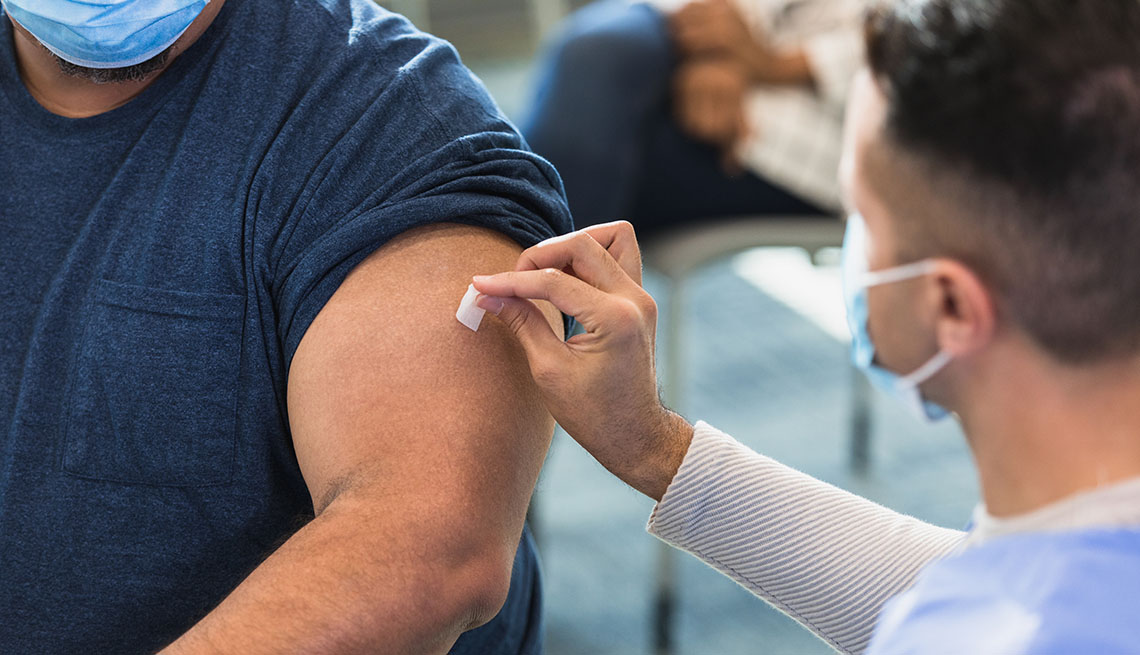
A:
(481, 278)
(489, 303)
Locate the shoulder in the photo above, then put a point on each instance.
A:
(330, 62)
(352, 94)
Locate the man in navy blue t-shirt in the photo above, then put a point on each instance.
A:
(238, 412)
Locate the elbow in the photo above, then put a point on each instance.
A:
(454, 575)
(441, 597)
(458, 586)
(478, 585)
(411, 585)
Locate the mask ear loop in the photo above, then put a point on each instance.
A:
(896, 274)
(926, 371)
(908, 388)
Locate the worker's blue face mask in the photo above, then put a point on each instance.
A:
(856, 280)
(105, 33)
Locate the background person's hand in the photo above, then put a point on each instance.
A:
(709, 103)
(710, 27)
(601, 386)
(716, 29)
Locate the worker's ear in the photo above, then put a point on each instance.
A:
(965, 320)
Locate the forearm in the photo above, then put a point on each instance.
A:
(826, 557)
(354, 581)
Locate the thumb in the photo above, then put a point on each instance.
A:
(527, 322)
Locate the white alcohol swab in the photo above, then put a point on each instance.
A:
(469, 313)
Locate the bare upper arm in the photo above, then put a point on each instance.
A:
(391, 399)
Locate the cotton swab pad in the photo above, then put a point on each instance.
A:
(469, 313)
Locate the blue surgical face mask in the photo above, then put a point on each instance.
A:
(856, 280)
(105, 33)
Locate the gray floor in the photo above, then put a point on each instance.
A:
(773, 378)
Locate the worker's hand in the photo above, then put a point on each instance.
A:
(711, 27)
(601, 386)
(709, 102)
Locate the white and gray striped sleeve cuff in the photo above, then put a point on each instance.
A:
(826, 557)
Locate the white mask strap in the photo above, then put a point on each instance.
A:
(927, 370)
(896, 274)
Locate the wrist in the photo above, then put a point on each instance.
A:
(666, 448)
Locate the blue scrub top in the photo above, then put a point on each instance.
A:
(1074, 592)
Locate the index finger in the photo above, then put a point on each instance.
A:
(568, 294)
(618, 239)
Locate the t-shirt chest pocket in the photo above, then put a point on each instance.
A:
(154, 387)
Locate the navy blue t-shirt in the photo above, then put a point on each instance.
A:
(159, 265)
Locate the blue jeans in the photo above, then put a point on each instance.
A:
(602, 115)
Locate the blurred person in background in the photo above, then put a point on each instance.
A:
(989, 273)
(665, 113)
(218, 435)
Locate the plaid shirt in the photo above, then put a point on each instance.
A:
(796, 135)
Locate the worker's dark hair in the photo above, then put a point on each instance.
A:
(1033, 109)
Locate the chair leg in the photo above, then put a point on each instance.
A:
(665, 592)
(665, 600)
(860, 422)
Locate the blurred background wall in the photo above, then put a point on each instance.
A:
(487, 29)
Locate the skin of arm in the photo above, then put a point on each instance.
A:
(420, 442)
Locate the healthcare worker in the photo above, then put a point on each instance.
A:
(990, 169)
